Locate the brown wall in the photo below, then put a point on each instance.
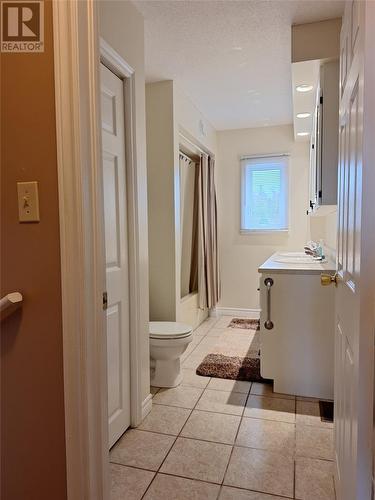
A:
(32, 407)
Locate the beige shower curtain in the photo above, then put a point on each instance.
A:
(205, 262)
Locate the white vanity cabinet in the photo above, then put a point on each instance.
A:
(297, 352)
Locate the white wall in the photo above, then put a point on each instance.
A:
(241, 255)
(122, 26)
(323, 226)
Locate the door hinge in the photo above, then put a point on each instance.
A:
(321, 99)
(105, 301)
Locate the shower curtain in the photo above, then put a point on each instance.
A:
(187, 186)
(205, 261)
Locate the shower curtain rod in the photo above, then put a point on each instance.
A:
(186, 156)
(193, 144)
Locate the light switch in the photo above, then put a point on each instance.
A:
(28, 201)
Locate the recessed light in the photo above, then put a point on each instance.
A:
(303, 134)
(303, 115)
(304, 88)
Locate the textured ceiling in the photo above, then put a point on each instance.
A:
(232, 58)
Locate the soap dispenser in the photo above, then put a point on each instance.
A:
(320, 249)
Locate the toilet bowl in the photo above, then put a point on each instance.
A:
(168, 341)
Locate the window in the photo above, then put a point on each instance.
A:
(264, 205)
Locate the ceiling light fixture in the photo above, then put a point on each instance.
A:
(303, 115)
(304, 87)
(303, 134)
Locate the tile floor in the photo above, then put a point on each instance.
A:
(222, 439)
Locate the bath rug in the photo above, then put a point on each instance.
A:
(245, 323)
(232, 367)
(236, 355)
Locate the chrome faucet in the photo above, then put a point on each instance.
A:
(312, 248)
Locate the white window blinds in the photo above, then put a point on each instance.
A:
(264, 203)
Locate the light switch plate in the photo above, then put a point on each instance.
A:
(28, 201)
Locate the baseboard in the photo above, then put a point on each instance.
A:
(234, 311)
(146, 406)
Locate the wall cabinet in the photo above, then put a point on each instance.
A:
(324, 138)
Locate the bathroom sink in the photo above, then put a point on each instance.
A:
(296, 258)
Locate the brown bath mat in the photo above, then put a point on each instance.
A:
(231, 367)
(245, 323)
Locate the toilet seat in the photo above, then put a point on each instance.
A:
(168, 330)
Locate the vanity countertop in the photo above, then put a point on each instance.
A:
(271, 266)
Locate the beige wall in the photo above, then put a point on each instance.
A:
(240, 254)
(32, 405)
(161, 200)
(169, 112)
(319, 40)
(188, 118)
(122, 26)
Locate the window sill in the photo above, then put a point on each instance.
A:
(263, 231)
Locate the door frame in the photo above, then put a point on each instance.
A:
(77, 56)
(115, 63)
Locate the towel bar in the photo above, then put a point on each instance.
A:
(268, 323)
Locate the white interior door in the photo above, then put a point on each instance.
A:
(116, 246)
(353, 339)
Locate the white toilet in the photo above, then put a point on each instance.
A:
(168, 341)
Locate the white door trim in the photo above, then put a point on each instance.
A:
(77, 54)
(81, 243)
